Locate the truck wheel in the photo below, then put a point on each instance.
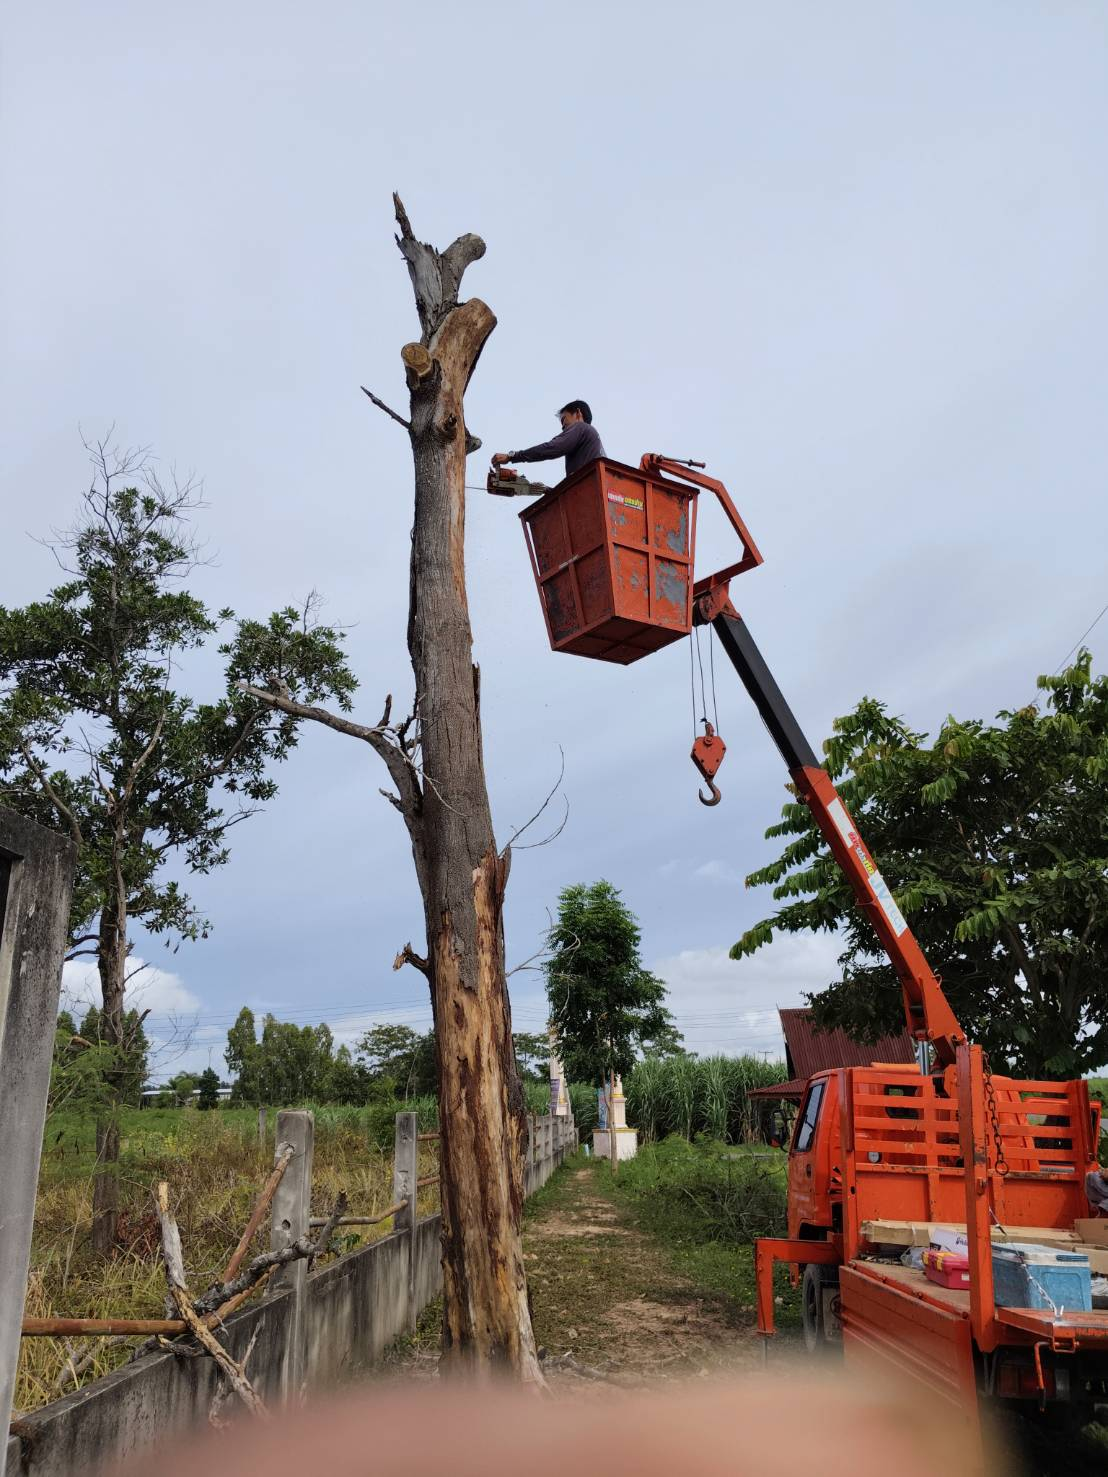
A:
(816, 1278)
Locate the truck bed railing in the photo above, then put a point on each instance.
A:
(903, 1154)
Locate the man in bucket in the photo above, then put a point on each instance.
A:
(578, 441)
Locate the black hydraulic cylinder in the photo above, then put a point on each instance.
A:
(757, 678)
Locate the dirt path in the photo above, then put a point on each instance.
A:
(608, 1306)
(605, 1298)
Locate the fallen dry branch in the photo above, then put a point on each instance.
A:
(282, 1160)
(178, 1287)
(213, 1307)
(261, 1266)
(158, 1328)
(360, 1220)
(83, 1327)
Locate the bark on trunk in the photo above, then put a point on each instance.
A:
(112, 964)
(487, 1322)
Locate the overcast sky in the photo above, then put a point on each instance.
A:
(851, 255)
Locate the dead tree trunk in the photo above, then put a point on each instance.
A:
(434, 759)
(487, 1322)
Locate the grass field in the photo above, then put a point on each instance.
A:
(215, 1167)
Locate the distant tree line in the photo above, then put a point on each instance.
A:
(287, 1063)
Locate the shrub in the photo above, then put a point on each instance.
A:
(703, 1192)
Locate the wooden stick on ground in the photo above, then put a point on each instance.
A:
(282, 1160)
(178, 1287)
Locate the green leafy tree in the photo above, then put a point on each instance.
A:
(122, 1067)
(994, 840)
(209, 1085)
(242, 1059)
(532, 1054)
(77, 1070)
(405, 1058)
(294, 1062)
(291, 1063)
(348, 1081)
(605, 1005)
(95, 737)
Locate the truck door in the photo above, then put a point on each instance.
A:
(808, 1161)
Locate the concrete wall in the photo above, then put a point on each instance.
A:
(355, 1308)
(352, 1311)
(135, 1407)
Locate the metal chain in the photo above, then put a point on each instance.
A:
(1000, 1164)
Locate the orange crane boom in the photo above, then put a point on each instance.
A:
(927, 1011)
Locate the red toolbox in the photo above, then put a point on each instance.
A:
(947, 1268)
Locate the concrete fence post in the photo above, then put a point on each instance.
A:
(36, 879)
(261, 1129)
(405, 1177)
(291, 1216)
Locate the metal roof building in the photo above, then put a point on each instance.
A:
(808, 1051)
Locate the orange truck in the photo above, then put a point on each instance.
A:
(882, 1158)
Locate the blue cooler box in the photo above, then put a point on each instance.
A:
(1030, 1276)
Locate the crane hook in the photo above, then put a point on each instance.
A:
(707, 754)
(715, 798)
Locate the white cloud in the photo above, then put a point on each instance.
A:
(177, 1042)
(730, 1006)
(159, 991)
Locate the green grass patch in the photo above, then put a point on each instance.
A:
(705, 1203)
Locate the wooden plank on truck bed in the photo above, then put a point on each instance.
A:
(918, 1233)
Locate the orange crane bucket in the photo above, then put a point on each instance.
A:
(612, 551)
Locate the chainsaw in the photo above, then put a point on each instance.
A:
(503, 482)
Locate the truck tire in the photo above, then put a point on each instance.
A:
(815, 1279)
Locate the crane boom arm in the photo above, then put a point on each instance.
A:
(927, 1011)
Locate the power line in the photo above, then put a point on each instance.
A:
(1080, 640)
(346, 1010)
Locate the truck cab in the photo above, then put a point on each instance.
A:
(815, 1173)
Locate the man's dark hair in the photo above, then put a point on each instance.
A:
(578, 405)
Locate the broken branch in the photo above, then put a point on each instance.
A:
(408, 955)
(380, 404)
(402, 771)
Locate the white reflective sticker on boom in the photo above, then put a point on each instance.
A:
(888, 903)
(843, 824)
